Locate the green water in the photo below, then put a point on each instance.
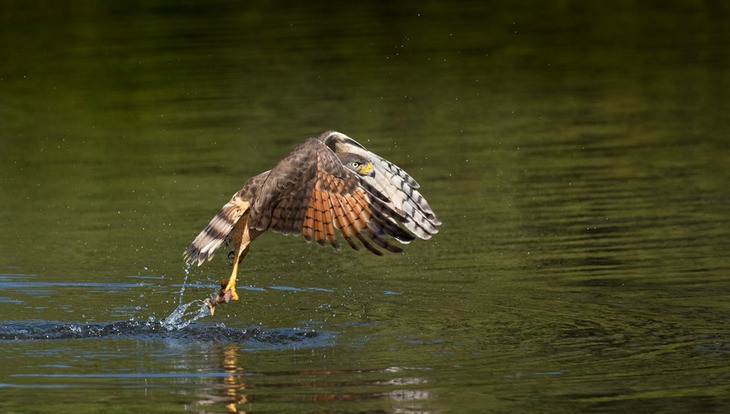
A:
(576, 152)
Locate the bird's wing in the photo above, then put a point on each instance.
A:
(210, 239)
(392, 181)
(311, 193)
(219, 228)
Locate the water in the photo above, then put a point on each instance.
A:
(577, 154)
(181, 317)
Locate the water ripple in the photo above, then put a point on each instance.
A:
(158, 330)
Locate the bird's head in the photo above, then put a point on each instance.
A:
(357, 163)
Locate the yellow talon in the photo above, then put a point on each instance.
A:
(234, 295)
(231, 286)
(227, 292)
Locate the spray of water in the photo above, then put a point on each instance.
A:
(182, 317)
(188, 266)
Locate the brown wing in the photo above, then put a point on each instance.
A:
(210, 239)
(311, 193)
(396, 184)
(219, 228)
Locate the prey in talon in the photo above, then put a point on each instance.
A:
(223, 296)
(326, 184)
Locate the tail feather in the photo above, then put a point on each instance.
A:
(215, 233)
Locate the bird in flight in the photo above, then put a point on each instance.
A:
(325, 183)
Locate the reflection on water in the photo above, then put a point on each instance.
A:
(222, 382)
(232, 385)
(237, 389)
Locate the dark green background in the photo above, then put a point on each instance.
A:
(577, 153)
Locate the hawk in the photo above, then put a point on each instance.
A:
(325, 183)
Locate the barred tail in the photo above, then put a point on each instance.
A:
(214, 234)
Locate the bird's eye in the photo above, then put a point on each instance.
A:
(355, 164)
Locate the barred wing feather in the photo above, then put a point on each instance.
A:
(395, 183)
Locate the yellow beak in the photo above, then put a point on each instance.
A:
(368, 170)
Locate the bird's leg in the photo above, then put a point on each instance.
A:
(241, 238)
(230, 288)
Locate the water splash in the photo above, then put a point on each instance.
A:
(153, 330)
(181, 317)
(188, 266)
